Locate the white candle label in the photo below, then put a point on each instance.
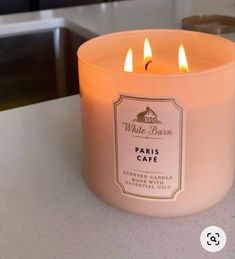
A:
(149, 141)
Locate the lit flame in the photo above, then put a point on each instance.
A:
(183, 63)
(147, 51)
(128, 66)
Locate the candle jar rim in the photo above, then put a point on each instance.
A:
(215, 69)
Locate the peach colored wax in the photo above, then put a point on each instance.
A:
(159, 144)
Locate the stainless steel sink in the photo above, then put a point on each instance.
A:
(40, 65)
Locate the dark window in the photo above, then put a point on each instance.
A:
(14, 6)
(45, 4)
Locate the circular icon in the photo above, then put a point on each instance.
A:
(213, 239)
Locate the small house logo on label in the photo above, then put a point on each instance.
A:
(147, 116)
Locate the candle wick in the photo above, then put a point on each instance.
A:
(147, 64)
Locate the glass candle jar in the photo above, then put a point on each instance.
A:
(158, 143)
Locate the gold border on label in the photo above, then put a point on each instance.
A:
(181, 129)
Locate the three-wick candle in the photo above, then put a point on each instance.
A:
(159, 142)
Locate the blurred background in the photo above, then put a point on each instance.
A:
(38, 41)
(16, 6)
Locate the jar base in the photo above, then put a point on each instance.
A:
(159, 212)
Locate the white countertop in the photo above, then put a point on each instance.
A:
(47, 211)
(117, 16)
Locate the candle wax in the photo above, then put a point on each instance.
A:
(162, 64)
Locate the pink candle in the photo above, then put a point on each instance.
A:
(158, 143)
